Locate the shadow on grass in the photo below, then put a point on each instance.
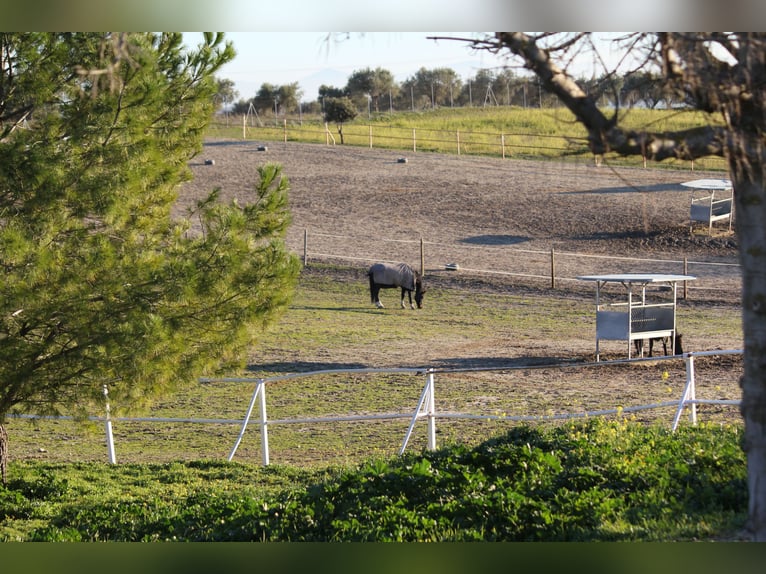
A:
(495, 239)
(302, 367)
(447, 364)
(500, 363)
(371, 310)
(630, 189)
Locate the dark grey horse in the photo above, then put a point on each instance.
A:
(393, 275)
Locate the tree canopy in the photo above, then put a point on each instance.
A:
(339, 111)
(102, 284)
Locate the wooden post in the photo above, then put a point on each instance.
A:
(284, 130)
(414, 145)
(686, 272)
(422, 259)
(458, 142)
(244, 127)
(502, 144)
(553, 268)
(370, 136)
(305, 247)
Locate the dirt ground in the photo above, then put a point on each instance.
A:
(359, 192)
(492, 215)
(357, 205)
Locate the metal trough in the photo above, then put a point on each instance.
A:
(636, 316)
(706, 206)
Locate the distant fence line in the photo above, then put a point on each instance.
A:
(550, 266)
(456, 141)
(426, 404)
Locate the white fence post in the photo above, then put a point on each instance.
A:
(108, 424)
(264, 427)
(431, 410)
(260, 385)
(426, 399)
(689, 395)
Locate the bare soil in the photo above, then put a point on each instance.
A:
(574, 206)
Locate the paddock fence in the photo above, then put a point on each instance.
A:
(505, 144)
(716, 279)
(698, 391)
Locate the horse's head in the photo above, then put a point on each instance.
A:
(419, 291)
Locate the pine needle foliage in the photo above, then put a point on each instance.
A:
(102, 283)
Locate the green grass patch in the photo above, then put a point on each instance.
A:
(508, 131)
(332, 325)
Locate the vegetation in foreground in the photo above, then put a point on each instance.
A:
(593, 481)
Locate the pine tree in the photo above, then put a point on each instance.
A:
(100, 284)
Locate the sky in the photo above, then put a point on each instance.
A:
(310, 59)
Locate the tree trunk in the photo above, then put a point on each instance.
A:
(750, 216)
(3, 454)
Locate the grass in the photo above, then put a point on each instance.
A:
(531, 133)
(331, 324)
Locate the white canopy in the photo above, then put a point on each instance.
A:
(638, 278)
(711, 184)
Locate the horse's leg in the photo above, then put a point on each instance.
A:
(372, 289)
(376, 296)
(409, 294)
(639, 343)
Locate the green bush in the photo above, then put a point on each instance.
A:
(598, 480)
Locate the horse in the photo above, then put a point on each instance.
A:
(665, 340)
(391, 276)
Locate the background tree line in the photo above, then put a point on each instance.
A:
(375, 90)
